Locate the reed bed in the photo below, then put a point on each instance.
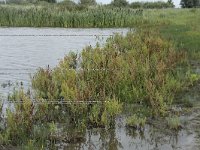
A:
(38, 16)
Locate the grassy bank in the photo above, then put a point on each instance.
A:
(184, 30)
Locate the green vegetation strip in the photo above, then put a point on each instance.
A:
(36, 16)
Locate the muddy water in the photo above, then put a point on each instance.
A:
(128, 139)
(154, 137)
(23, 50)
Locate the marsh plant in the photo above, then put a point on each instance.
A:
(136, 122)
(105, 115)
(138, 68)
(52, 16)
(173, 122)
(20, 122)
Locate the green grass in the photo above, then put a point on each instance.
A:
(184, 30)
(54, 16)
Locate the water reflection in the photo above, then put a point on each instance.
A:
(121, 137)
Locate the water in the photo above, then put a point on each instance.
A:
(156, 137)
(23, 50)
(150, 139)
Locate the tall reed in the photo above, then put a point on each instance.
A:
(39, 16)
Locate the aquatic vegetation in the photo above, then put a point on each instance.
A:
(43, 16)
(136, 122)
(137, 68)
(104, 115)
(20, 123)
(27, 123)
(193, 78)
(173, 122)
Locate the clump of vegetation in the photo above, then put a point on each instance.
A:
(33, 16)
(22, 121)
(104, 115)
(136, 68)
(30, 124)
(152, 5)
(193, 77)
(88, 2)
(190, 3)
(119, 3)
(136, 122)
(174, 122)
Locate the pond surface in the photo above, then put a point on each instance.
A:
(23, 50)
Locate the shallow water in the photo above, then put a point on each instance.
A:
(120, 137)
(23, 50)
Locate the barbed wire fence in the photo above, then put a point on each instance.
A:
(10, 84)
(30, 71)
